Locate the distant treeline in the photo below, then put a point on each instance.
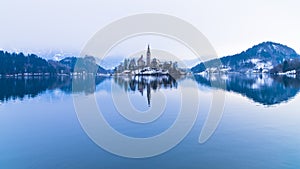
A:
(31, 64)
(287, 65)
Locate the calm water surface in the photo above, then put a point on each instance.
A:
(260, 126)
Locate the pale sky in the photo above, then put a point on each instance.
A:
(231, 26)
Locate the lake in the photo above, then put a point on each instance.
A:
(259, 127)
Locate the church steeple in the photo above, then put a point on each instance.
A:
(148, 56)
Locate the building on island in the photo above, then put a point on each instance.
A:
(148, 67)
(141, 62)
(148, 56)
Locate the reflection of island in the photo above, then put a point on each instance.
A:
(20, 88)
(261, 88)
(145, 83)
(264, 89)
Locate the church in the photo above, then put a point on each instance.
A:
(146, 66)
(141, 63)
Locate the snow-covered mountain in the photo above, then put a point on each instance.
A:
(56, 55)
(260, 58)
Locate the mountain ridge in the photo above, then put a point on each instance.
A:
(12, 64)
(262, 57)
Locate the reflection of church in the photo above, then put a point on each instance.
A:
(146, 83)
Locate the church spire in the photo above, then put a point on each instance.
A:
(148, 56)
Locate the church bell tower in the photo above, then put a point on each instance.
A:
(148, 56)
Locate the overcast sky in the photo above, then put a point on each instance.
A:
(231, 26)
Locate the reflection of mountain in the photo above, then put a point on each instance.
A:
(148, 83)
(263, 89)
(260, 88)
(19, 88)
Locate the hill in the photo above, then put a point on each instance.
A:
(260, 58)
(31, 64)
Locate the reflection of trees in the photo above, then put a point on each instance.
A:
(288, 81)
(14, 88)
(264, 89)
(145, 83)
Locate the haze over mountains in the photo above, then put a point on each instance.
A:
(266, 57)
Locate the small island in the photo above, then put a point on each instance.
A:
(150, 67)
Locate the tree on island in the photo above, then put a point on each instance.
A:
(154, 66)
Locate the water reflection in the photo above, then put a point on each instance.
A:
(261, 88)
(145, 84)
(30, 87)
